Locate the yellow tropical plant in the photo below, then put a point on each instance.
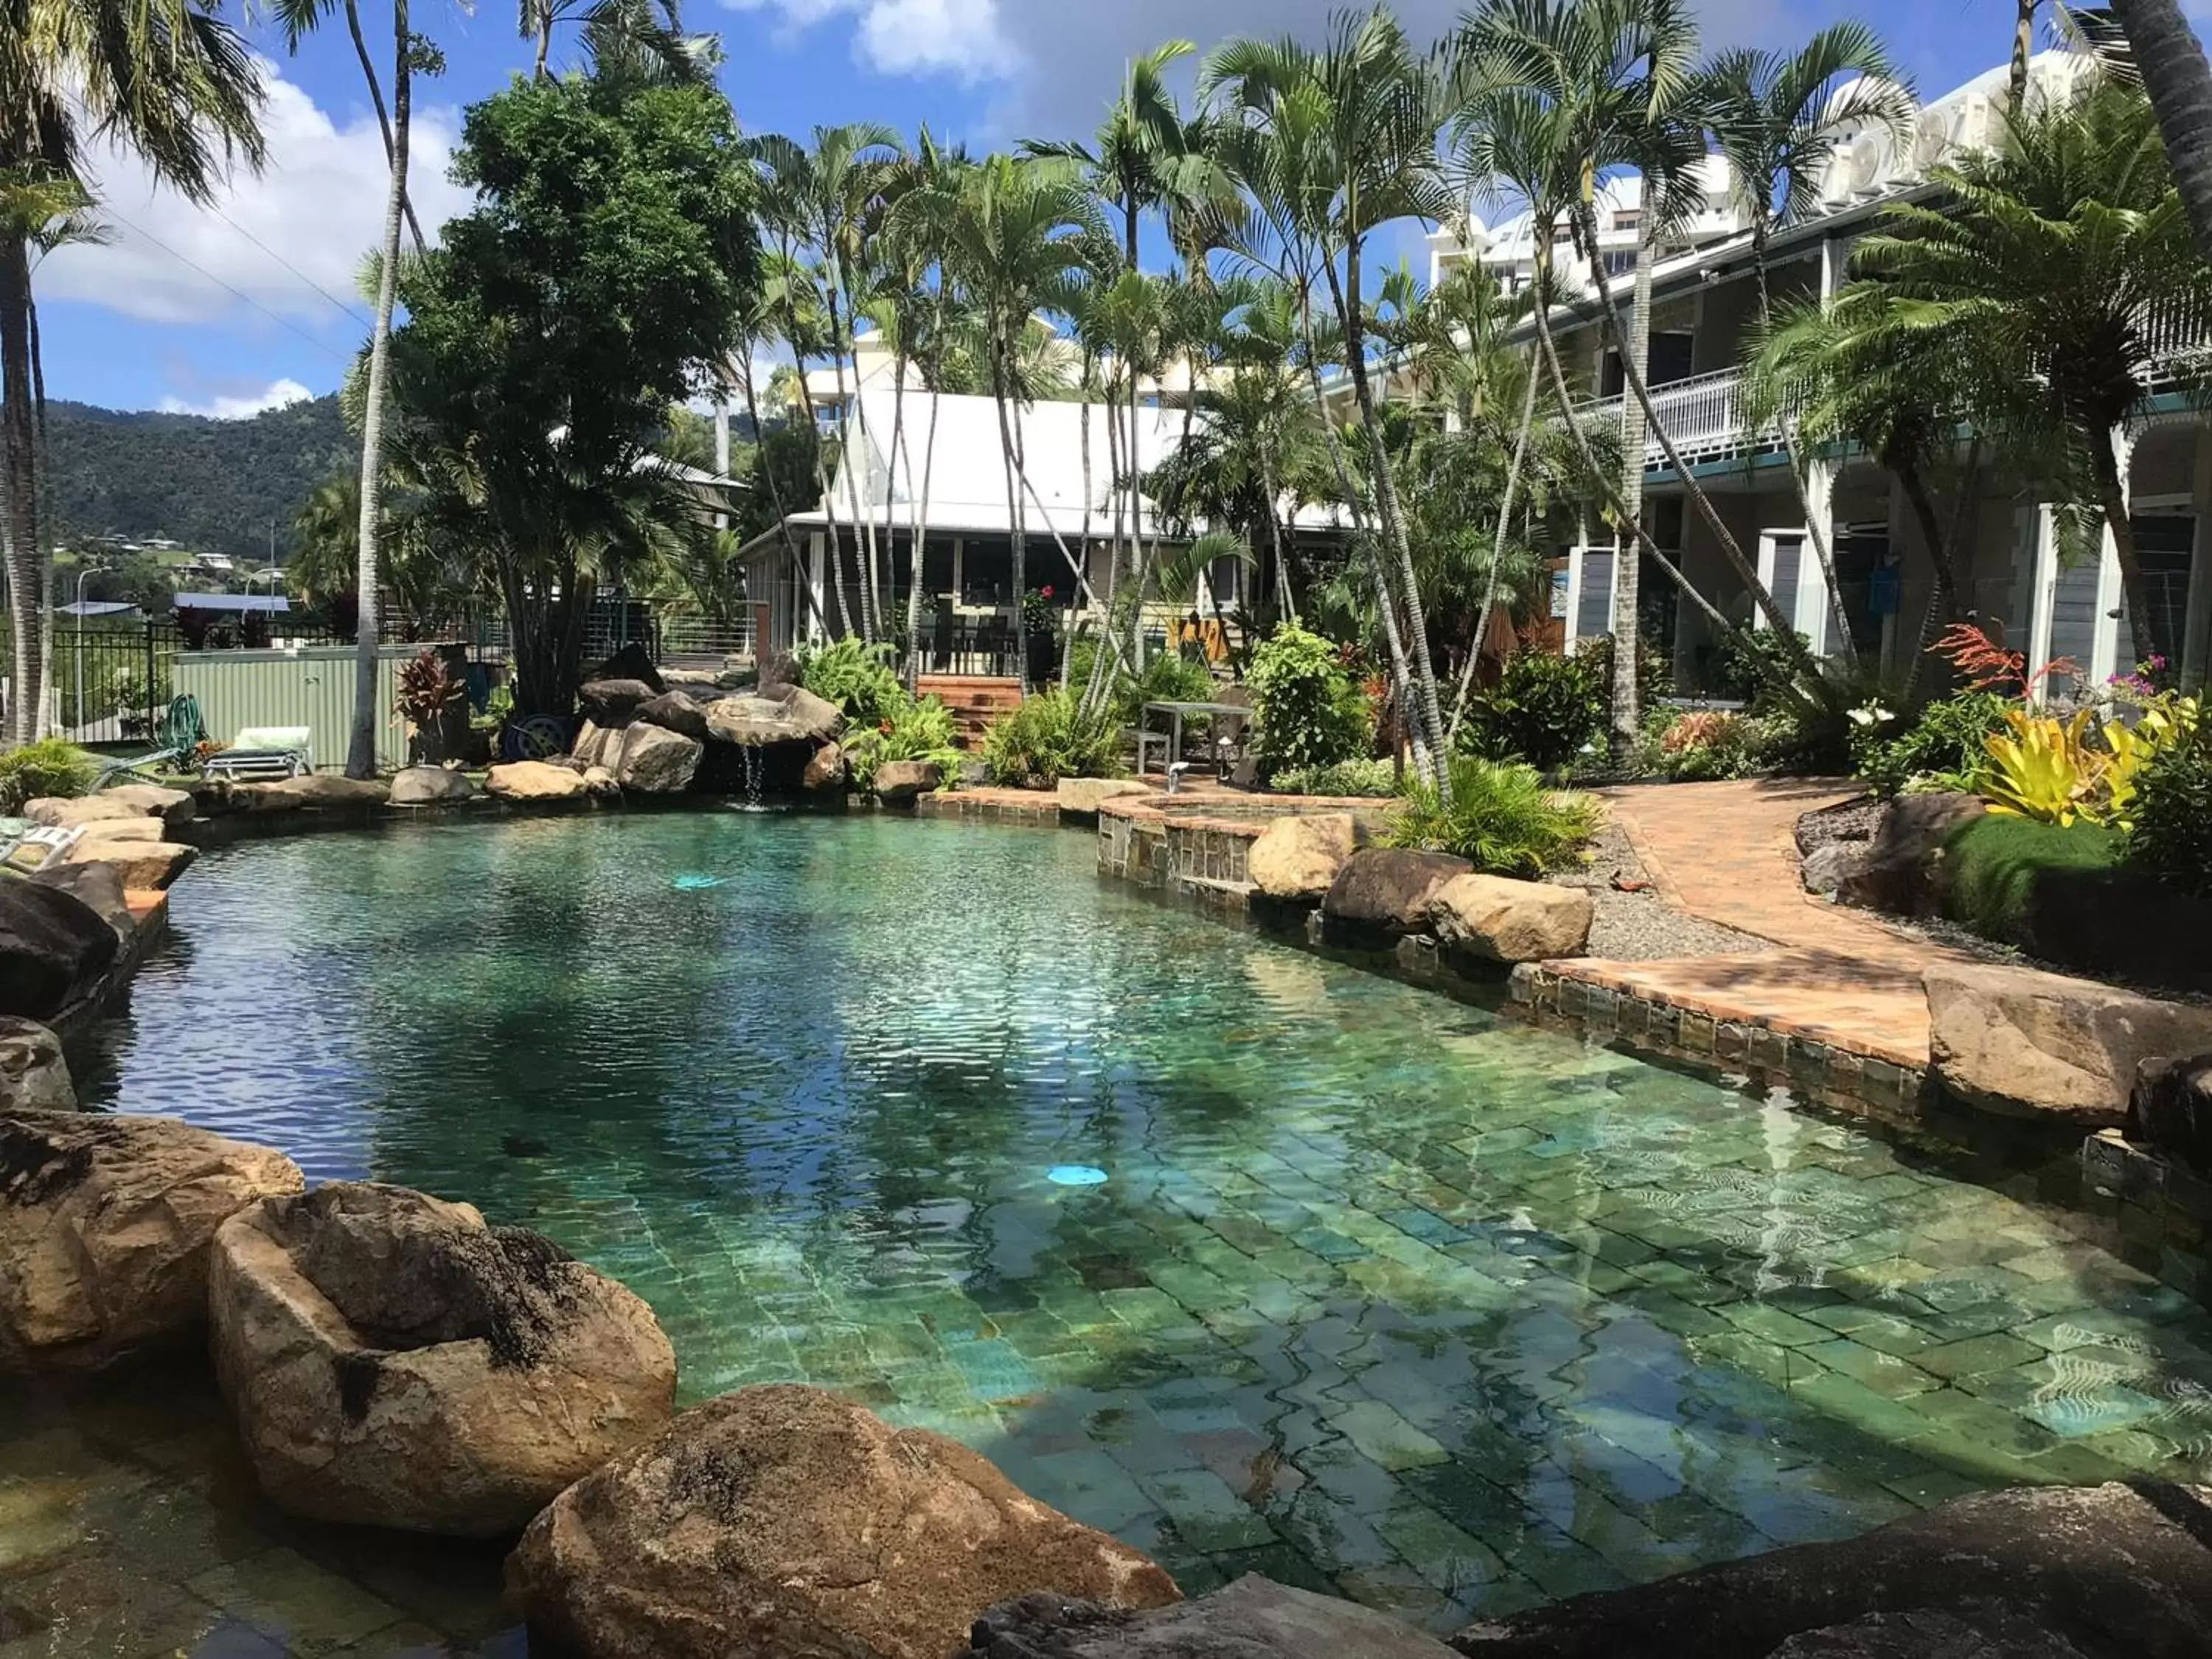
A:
(2043, 769)
(2163, 723)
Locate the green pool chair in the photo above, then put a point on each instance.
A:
(179, 733)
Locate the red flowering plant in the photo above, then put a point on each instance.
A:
(1987, 666)
(1040, 615)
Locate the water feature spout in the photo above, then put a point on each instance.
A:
(1175, 776)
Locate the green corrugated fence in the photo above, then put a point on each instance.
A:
(311, 686)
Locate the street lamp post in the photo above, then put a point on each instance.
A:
(83, 571)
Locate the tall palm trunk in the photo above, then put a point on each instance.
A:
(890, 477)
(1521, 441)
(864, 529)
(1628, 562)
(1731, 549)
(2023, 48)
(376, 102)
(1428, 714)
(916, 549)
(1015, 548)
(2175, 74)
(18, 439)
(360, 747)
(2112, 496)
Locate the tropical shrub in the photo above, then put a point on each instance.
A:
(1049, 738)
(1311, 713)
(2172, 836)
(1351, 777)
(855, 675)
(1993, 867)
(1500, 818)
(919, 731)
(2056, 770)
(1545, 709)
(48, 766)
(1944, 746)
(1701, 745)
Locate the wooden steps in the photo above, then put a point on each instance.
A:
(975, 702)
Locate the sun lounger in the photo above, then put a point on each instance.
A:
(262, 753)
(38, 846)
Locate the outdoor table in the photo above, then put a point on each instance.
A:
(1176, 712)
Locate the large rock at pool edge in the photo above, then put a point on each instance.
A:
(1500, 919)
(1254, 1618)
(2119, 1572)
(2171, 1108)
(825, 771)
(613, 703)
(784, 1522)
(326, 791)
(172, 806)
(898, 783)
(1387, 890)
(431, 785)
(34, 1074)
(632, 662)
(1082, 797)
(773, 714)
(105, 1228)
(534, 783)
(54, 949)
(142, 865)
(392, 1361)
(2023, 1043)
(99, 887)
(656, 760)
(677, 713)
(1298, 859)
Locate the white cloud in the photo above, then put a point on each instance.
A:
(962, 39)
(278, 394)
(318, 208)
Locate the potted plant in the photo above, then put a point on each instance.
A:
(1040, 620)
(435, 701)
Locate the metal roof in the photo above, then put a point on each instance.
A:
(267, 603)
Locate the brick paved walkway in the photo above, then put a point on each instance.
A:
(1724, 852)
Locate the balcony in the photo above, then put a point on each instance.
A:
(1704, 415)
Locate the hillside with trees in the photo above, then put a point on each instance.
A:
(214, 485)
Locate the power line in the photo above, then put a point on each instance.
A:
(280, 321)
(344, 306)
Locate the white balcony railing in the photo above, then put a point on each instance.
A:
(1704, 415)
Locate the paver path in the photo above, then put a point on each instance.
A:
(1725, 852)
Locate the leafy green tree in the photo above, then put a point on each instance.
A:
(601, 278)
(165, 78)
(2061, 265)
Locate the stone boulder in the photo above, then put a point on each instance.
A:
(1254, 1618)
(2119, 1572)
(104, 1227)
(632, 662)
(656, 760)
(677, 713)
(533, 783)
(775, 713)
(898, 781)
(99, 887)
(34, 1074)
(593, 743)
(1500, 920)
(54, 949)
(1387, 889)
(2022, 1043)
(1899, 870)
(431, 785)
(1986, 1632)
(137, 830)
(825, 770)
(614, 703)
(328, 792)
(784, 1522)
(392, 1361)
(141, 865)
(60, 812)
(1083, 796)
(600, 784)
(1826, 868)
(172, 806)
(2171, 1108)
(1298, 860)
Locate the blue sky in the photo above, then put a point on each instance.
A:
(228, 310)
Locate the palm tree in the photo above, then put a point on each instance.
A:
(1578, 90)
(2170, 57)
(1350, 132)
(653, 30)
(1776, 118)
(2064, 264)
(2023, 48)
(165, 78)
(1014, 236)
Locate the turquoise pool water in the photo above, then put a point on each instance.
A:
(1379, 1294)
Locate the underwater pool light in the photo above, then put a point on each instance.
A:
(696, 883)
(1075, 1174)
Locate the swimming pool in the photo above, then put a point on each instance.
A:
(1380, 1293)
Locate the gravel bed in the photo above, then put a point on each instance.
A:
(1643, 926)
(1850, 820)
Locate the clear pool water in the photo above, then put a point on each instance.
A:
(1380, 1294)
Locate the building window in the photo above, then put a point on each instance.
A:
(1628, 219)
(1620, 262)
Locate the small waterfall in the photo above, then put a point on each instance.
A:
(753, 772)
